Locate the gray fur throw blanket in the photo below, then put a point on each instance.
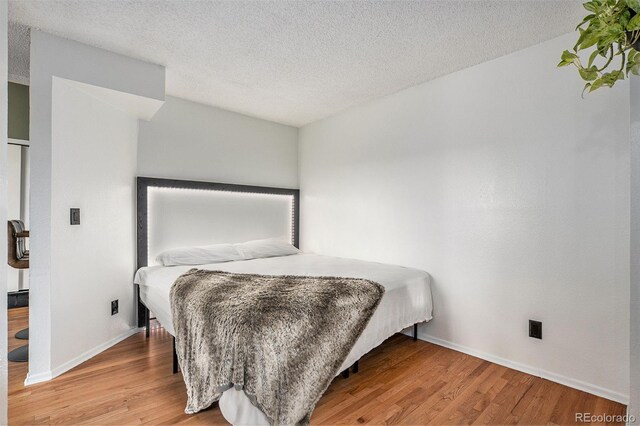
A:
(282, 339)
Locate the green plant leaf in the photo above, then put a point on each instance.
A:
(590, 17)
(596, 85)
(589, 40)
(633, 62)
(630, 64)
(588, 74)
(568, 58)
(610, 78)
(604, 44)
(634, 5)
(624, 18)
(615, 30)
(604, 50)
(634, 23)
(580, 38)
(605, 31)
(592, 57)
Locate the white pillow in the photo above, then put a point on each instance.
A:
(271, 247)
(217, 253)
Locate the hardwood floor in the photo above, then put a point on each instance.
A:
(401, 381)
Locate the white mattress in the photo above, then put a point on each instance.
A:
(407, 300)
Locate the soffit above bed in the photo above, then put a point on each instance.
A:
(297, 62)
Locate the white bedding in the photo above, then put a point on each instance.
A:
(407, 300)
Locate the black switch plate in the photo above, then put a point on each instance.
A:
(535, 329)
(74, 215)
(114, 307)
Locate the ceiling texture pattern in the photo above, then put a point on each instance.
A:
(295, 62)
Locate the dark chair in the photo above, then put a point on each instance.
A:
(18, 257)
(17, 245)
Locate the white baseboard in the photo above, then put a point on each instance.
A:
(55, 372)
(563, 380)
(37, 378)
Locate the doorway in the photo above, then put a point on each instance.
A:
(18, 173)
(18, 209)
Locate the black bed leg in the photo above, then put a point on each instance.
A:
(415, 331)
(175, 357)
(345, 374)
(354, 367)
(147, 322)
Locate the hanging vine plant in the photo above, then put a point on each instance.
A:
(612, 30)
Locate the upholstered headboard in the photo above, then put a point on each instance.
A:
(178, 213)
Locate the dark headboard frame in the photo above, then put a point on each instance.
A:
(143, 183)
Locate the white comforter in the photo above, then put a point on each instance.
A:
(407, 300)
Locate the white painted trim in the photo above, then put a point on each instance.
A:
(38, 378)
(22, 142)
(554, 377)
(48, 375)
(15, 78)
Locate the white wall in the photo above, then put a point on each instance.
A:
(634, 306)
(93, 168)
(511, 190)
(186, 140)
(59, 282)
(3, 213)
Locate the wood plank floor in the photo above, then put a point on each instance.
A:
(400, 382)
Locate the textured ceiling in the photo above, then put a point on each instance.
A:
(20, 40)
(297, 62)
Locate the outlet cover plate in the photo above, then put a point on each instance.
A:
(535, 329)
(74, 216)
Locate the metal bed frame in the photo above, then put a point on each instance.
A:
(143, 183)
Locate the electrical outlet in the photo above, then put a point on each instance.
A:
(535, 329)
(114, 307)
(74, 216)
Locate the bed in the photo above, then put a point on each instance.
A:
(406, 301)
